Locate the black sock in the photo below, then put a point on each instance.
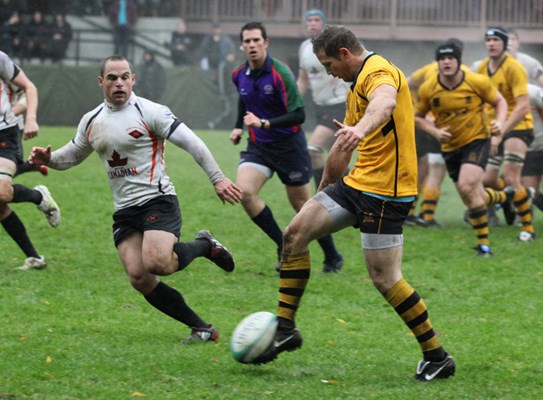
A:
(168, 300)
(24, 167)
(15, 228)
(267, 223)
(188, 251)
(436, 355)
(285, 324)
(328, 247)
(23, 194)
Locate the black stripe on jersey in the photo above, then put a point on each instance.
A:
(16, 71)
(173, 127)
(397, 159)
(138, 108)
(92, 118)
(390, 126)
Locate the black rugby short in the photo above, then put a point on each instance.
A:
(526, 135)
(161, 213)
(426, 143)
(533, 164)
(374, 215)
(10, 144)
(475, 152)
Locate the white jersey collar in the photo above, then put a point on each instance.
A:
(114, 107)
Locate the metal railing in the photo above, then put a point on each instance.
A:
(525, 14)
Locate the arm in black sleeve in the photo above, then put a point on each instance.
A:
(241, 114)
(296, 117)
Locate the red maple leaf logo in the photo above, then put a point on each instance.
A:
(136, 134)
(116, 160)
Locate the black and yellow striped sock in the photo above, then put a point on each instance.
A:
(430, 197)
(523, 209)
(293, 278)
(478, 217)
(412, 310)
(493, 196)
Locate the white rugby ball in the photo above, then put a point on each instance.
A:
(253, 335)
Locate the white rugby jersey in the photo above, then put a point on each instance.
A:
(130, 141)
(326, 89)
(536, 101)
(8, 71)
(532, 66)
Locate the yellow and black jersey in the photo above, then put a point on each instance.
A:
(387, 160)
(460, 108)
(511, 80)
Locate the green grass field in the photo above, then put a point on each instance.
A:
(77, 330)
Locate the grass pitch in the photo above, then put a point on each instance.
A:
(77, 330)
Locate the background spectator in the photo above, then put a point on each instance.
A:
(151, 77)
(7, 8)
(36, 43)
(217, 49)
(122, 15)
(61, 35)
(218, 55)
(12, 36)
(180, 45)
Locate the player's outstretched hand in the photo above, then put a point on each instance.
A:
(228, 191)
(40, 155)
(31, 129)
(347, 136)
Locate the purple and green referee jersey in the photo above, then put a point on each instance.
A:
(268, 92)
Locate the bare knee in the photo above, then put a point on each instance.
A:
(159, 260)
(158, 266)
(6, 192)
(294, 239)
(143, 283)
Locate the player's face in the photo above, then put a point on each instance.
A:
(254, 45)
(494, 46)
(513, 43)
(336, 66)
(314, 25)
(117, 82)
(448, 66)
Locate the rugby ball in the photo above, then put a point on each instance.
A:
(253, 335)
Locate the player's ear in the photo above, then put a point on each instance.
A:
(344, 52)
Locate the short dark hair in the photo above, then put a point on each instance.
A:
(333, 38)
(115, 57)
(251, 26)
